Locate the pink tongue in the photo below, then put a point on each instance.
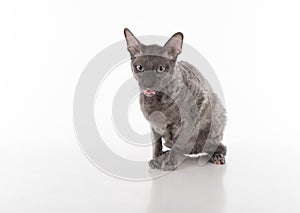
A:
(148, 91)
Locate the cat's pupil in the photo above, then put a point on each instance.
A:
(139, 67)
(161, 68)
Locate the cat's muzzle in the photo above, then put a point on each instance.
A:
(149, 92)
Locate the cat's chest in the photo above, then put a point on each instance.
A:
(159, 106)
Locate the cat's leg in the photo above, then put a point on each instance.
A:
(213, 146)
(172, 159)
(156, 162)
(167, 160)
(183, 141)
(156, 144)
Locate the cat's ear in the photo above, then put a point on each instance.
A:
(173, 46)
(133, 45)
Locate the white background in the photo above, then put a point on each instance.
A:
(254, 48)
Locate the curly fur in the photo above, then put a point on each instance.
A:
(210, 114)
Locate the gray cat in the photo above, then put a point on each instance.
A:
(178, 102)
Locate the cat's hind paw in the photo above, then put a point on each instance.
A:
(218, 159)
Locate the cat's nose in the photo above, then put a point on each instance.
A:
(148, 79)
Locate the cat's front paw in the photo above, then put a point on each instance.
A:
(163, 164)
(168, 165)
(155, 163)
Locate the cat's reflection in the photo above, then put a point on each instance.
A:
(190, 188)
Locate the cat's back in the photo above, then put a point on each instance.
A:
(192, 77)
(195, 82)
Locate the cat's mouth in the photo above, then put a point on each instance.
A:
(149, 92)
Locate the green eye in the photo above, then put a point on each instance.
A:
(161, 68)
(139, 68)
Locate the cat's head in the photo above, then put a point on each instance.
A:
(151, 64)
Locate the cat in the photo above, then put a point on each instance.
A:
(168, 91)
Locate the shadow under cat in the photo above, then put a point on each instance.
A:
(190, 188)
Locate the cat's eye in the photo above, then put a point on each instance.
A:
(161, 68)
(139, 68)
